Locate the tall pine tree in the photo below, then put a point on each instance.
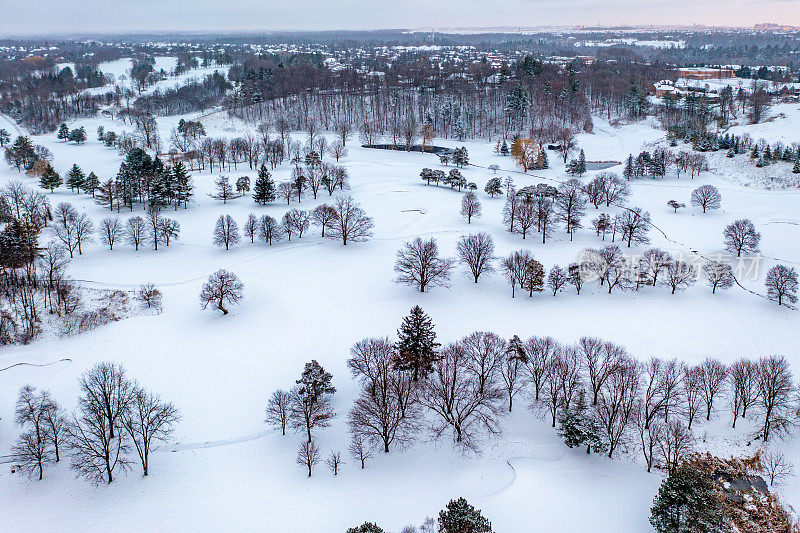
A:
(50, 179)
(75, 178)
(91, 183)
(264, 187)
(416, 347)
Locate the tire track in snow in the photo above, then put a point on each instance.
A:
(65, 360)
(180, 447)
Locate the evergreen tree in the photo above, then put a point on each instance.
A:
(5, 137)
(578, 428)
(687, 503)
(63, 132)
(581, 164)
(101, 133)
(50, 179)
(796, 167)
(314, 382)
(504, 148)
(366, 527)
(460, 517)
(183, 185)
(416, 347)
(75, 178)
(533, 278)
(628, 172)
(264, 187)
(158, 195)
(493, 186)
(91, 183)
(78, 135)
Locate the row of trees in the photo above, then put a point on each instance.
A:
(420, 265)
(594, 392)
(314, 178)
(344, 219)
(117, 421)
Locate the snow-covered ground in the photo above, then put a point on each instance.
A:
(120, 71)
(314, 298)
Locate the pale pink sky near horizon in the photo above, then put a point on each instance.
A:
(39, 17)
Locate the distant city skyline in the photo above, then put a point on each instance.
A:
(54, 17)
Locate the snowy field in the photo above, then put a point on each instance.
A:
(120, 71)
(314, 298)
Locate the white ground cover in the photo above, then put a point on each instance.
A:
(315, 298)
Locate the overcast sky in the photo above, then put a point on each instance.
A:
(109, 16)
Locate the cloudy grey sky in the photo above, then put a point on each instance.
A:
(109, 16)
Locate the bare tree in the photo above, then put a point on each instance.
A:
(712, 382)
(308, 455)
(337, 150)
(454, 395)
(653, 262)
(477, 252)
(485, 352)
(601, 359)
(135, 231)
(556, 279)
(278, 410)
(718, 275)
(418, 264)
(226, 232)
(616, 403)
(615, 190)
(269, 230)
(741, 236)
(634, 224)
(775, 393)
(251, 227)
(776, 466)
(514, 268)
(56, 423)
(570, 204)
(149, 295)
(351, 223)
(64, 225)
(649, 433)
(470, 206)
(97, 443)
(692, 382)
(743, 377)
(386, 410)
(295, 222)
(33, 448)
(286, 191)
(539, 351)
(110, 231)
(324, 216)
(679, 275)
(222, 288)
(781, 283)
(707, 197)
(359, 449)
(674, 442)
(526, 215)
(84, 229)
(148, 420)
(333, 461)
(31, 453)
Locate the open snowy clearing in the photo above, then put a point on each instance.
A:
(314, 298)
